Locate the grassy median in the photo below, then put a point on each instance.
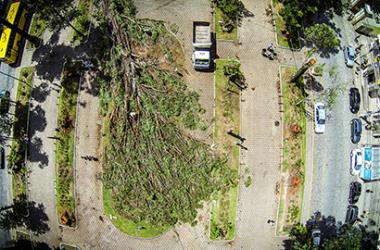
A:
(281, 31)
(220, 34)
(18, 153)
(65, 143)
(294, 152)
(36, 28)
(227, 116)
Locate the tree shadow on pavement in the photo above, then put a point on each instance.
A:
(38, 219)
(41, 92)
(312, 84)
(35, 153)
(51, 56)
(25, 244)
(24, 213)
(37, 120)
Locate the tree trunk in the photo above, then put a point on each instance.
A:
(24, 34)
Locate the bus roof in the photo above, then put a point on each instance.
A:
(4, 39)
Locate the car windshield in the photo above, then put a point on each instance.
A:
(350, 53)
(357, 165)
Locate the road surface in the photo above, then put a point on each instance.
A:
(331, 151)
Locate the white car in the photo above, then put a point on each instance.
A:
(356, 161)
(320, 118)
(349, 56)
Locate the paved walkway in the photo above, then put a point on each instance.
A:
(43, 121)
(259, 111)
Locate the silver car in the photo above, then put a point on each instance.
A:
(349, 56)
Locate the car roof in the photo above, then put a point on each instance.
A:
(322, 113)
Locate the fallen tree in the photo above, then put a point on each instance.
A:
(156, 171)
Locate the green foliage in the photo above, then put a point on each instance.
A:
(82, 20)
(156, 172)
(17, 155)
(300, 238)
(65, 141)
(233, 73)
(350, 238)
(230, 8)
(57, 13)
(322, 36)
(297, 12)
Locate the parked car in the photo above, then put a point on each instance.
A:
(356, 161)
(316, 235)
(319, 117)
(349, 56)
(356, 130)
(354, 100)
(5, 96)
(352, 214)
(355, 191)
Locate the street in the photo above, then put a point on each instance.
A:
(331, 150)
(6, 83)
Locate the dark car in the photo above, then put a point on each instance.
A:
(355, 191)
(4, 101)
(356, 130)
(352, 214)
(354, 100)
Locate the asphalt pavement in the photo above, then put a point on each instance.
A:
(331, 150)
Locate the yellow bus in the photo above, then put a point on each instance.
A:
(10, 41)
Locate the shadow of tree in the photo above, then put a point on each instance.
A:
(14, 216)
(50, 56)
(312, 84)
(25, 244)
(41, 92)
(35, 153)
(38, 219)
(332, 232)
(37, 120)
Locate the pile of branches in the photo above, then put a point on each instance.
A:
(157, 172)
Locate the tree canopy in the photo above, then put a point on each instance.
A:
(322, 37)
(297, 13)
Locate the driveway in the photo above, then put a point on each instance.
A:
(330, 175)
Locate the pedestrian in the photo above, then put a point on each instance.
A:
(269, 221)
(369, 191)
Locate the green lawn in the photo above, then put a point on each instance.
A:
(219, 31)
(227, 116)
(17, 155)
(36, 29)
(140, 229)
(290, 207)
(65, 143)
